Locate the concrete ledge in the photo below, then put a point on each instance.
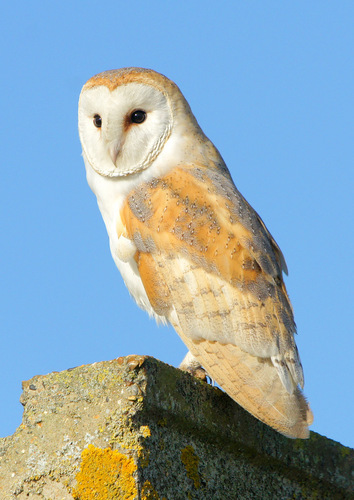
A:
(136, 428)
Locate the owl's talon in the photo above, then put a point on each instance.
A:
(191, 365)
(201, 374)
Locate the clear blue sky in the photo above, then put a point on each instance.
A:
(271, 84)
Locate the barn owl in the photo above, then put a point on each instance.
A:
(191, 250)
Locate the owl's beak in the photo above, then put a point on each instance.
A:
(114, 152)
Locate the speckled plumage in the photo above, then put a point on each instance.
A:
(190, 248)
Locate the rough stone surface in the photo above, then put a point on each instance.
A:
(135, 428)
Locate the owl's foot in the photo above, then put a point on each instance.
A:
(191, 365)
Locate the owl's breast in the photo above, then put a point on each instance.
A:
(123, 251)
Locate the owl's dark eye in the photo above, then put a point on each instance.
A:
(138, 116)
(97, 121)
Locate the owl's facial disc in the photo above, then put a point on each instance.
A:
(132, 119)
(122, 131)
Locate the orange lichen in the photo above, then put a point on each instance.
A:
(191, 462)
(105, 474)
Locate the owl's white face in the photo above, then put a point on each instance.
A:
(124, 130)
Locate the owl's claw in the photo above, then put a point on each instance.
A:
(191, 365)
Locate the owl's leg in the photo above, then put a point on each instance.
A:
(191, 364)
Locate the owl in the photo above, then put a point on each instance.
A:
(191, 250)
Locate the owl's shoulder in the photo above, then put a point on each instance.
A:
(199, 210)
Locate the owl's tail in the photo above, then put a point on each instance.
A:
(254, 384)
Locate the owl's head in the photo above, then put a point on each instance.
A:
(125, 118)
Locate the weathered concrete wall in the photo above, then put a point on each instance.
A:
(135, 428)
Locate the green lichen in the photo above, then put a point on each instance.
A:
(144, 458)
(191, 462)
(162, 422)
(148, 492)
(344, 451)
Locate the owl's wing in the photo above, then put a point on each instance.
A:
(210, 266)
